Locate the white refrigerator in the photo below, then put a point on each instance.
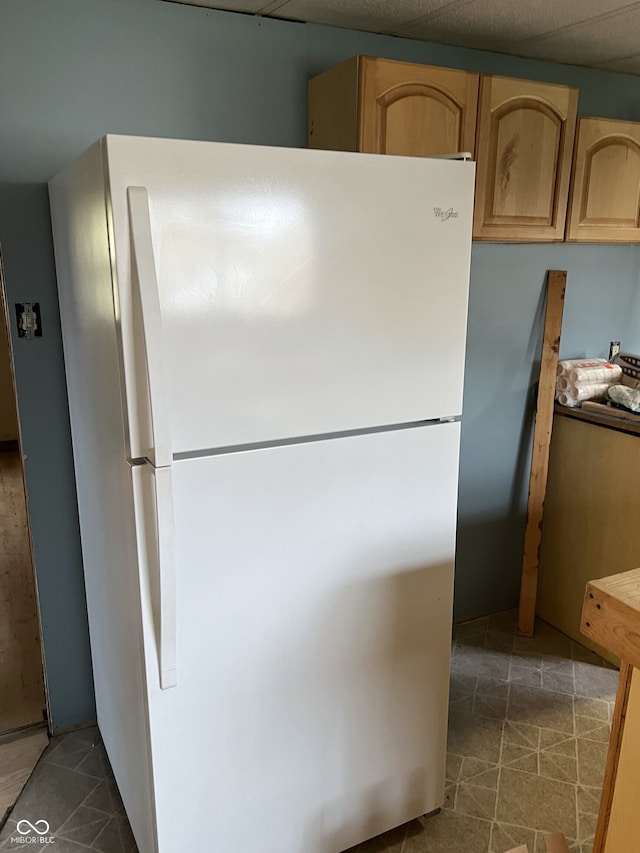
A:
(264, 351)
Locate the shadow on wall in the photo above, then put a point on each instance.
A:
(25, 237)
(490, 546)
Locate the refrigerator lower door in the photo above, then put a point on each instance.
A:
(313, 600)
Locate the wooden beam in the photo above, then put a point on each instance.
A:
(556, 284)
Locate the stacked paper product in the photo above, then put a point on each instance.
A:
(581, 379)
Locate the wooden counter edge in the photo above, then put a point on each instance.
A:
(608, 418)
(611, 614)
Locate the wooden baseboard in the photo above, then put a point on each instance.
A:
(9, 446)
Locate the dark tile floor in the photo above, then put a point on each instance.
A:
(527, 744)
(72, 788)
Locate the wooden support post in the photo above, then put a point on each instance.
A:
(556, 283)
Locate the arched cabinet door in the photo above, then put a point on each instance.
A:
(416, 110)
(525, 141)
(604, 203)
(380, 106)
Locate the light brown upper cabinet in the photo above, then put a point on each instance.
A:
(379, 106)
(604, 203)
(523, 152)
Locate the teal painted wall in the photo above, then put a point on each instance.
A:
(72, 70)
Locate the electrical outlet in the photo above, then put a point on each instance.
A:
(29, 321)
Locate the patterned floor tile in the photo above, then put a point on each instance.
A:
(549, 709)
(527, 799)
(450, 791)
(561, 767)
(522, 734)
(506, 837)
(476, 801)
(480, 773)
(454, 763)
(530, 676)
(84, 825)
(478, 661)
(519, 758)
(556, 743)
(586, 826)
(588, 800)
(592, 756)
(595, 709)
(474, 736)
(595, 682)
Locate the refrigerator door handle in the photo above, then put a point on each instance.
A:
(147, 281)
(165, 526)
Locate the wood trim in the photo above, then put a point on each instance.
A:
(601, 415)
(9, 446)
(613, 757)
(4, 318)
(556, 285)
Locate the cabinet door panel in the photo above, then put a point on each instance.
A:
(525, 138)
(416, 110)
(605, 185)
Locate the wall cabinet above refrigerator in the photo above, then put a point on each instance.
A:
(379, 106)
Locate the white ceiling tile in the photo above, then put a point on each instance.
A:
(450, 30)
(496, 23)
(368, 15)
(594, 42)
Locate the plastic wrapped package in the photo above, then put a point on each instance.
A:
(565, 367)
(628, 398)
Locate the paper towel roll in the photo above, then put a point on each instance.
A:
(595, 391)
(610, 373)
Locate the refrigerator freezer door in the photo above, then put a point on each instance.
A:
(300, 292)
(314, 598)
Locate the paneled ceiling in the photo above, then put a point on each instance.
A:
(596, 33)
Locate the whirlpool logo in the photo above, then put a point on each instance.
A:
(32, 833)
(445, 214)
